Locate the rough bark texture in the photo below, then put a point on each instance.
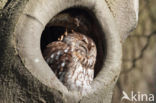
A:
(139, 56)
(23, 84)
(17, 84)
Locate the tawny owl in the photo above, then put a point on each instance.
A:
(72, 59)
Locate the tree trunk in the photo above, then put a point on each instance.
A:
(139, 56)
(24, 75)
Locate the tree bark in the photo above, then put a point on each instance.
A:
(139, 56)
(25, 80)
(17, 83)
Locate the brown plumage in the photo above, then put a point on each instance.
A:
(72, 59)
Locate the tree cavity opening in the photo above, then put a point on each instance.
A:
(88, 25)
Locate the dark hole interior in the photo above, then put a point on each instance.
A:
(50, 34)
(89, 26)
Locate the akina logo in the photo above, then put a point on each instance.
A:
(137, 96)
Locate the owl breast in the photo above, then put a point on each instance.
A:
(72, 60)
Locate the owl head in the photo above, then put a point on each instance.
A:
(82, 46)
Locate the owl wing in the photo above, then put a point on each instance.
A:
(57, 55)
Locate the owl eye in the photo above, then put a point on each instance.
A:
(84, 49)
(85, 41)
